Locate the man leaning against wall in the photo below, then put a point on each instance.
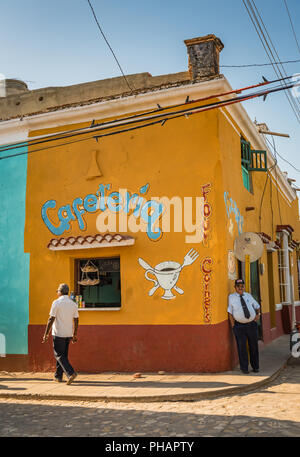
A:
(244, 311)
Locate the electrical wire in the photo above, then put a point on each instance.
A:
(292, 25)
(278, 202)
(263, 193)
(288, 95)
(273, 46)
(277, 153)
(102, 33)
(156, 121)
(261, 201)
(266, 46)
(145, 113)
(94, 128)
(259, 64)
(271, 206)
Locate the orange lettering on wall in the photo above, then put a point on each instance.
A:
(206, 268)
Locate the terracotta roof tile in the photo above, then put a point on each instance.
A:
(90, 241)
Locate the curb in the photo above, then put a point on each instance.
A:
(155, 398)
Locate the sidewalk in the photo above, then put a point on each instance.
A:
(149, 387)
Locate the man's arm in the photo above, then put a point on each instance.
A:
(230, 311)
(231, 319)
(75, 330)
(48, 329)
(256, 307)
(258, 313)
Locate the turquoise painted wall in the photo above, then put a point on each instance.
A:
(14, 263)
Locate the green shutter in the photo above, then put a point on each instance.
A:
(246, 178)
(258, 161)
(246, 153)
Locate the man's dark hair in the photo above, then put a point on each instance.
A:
(63, 289)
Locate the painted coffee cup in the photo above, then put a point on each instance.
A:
(167, 274)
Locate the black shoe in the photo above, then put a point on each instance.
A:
(256, 370)
(245, 371)
(71, 378)
(57, 379)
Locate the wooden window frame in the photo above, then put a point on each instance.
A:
(78, 287)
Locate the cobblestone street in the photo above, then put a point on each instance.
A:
(271, 411)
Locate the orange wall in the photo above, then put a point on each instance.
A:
(175, 160)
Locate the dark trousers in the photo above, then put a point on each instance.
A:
(243, 333)
(61, 348)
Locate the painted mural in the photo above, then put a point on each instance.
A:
(206, 263)
(167, 274)
(231, 207)
(149, 211)
(206, 269)
(231, 265)
(207, 210)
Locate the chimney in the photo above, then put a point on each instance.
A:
(203, 55)
(12, 87)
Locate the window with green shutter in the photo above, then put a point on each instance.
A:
(251, 160)
(246, 178)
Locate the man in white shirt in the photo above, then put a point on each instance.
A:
(244, 311)
(64, 323)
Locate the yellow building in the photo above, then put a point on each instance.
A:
(141, 222)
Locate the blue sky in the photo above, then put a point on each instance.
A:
(57, 43)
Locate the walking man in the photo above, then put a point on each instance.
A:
(64, 323)
(243, 313)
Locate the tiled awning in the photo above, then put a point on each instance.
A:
(90, 241)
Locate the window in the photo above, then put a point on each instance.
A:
(284, 268)
(251, 160)
(246, 162)
(98, 282)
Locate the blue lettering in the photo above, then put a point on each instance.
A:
(129, 199)
(226, 204)
(90, 203)
(114, 202)
(65, 215)
(144, 189)
(78, 212)
(101, 194)
(56, 230)
(150, 213)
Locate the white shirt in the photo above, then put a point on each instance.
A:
(64, 310)
(236, 309)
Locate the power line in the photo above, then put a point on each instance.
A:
(283, 69)
(271, 205)
(139, 117)
(102, 33)
(276, 177)
(288, 95)
(277, 153)
(298, 46)
(259, 64)
(264, 41)
(263, 193)
(261, 201)
(156, 119)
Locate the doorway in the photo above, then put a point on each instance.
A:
(254, 287)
